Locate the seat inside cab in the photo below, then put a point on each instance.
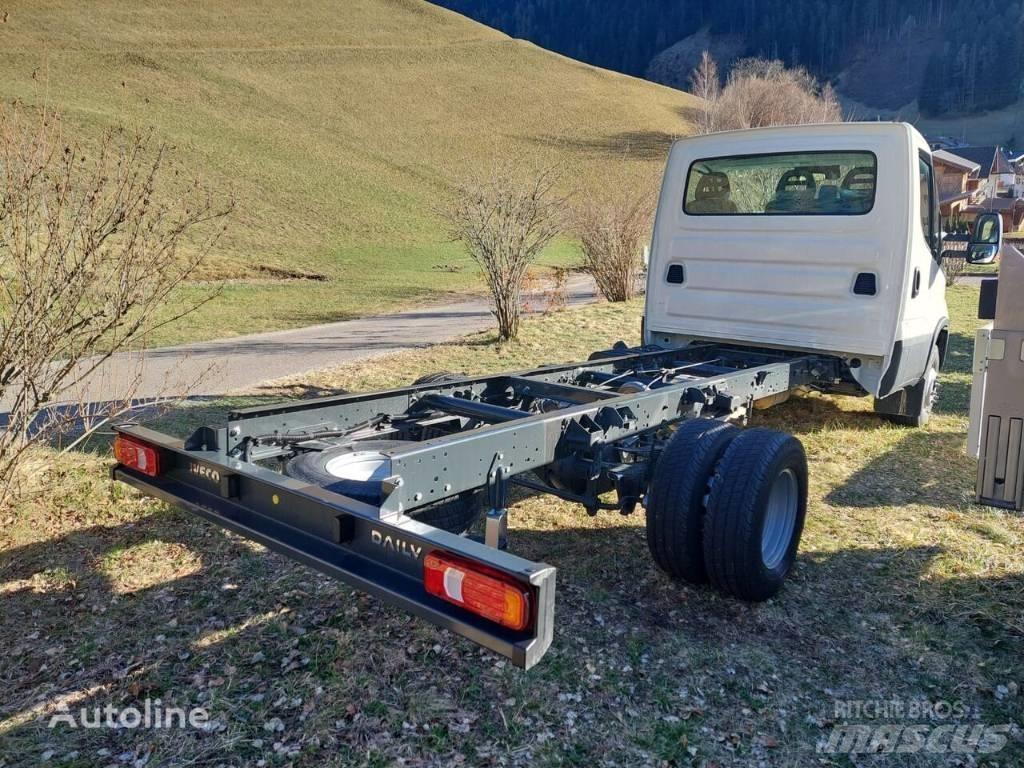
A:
(731, 186)
(712, 194)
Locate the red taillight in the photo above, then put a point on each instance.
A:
(137, 455)
(477, 589)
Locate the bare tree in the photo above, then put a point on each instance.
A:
(705, 83)
(763, 93)
(612, 236)
(93, 245)
(505, 223)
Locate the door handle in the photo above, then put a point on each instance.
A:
(916, 289)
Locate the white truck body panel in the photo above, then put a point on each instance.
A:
(788, 280)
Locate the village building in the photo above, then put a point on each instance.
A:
(975, 180)
(958, 182)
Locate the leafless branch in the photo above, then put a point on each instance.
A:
(761, 93)
(94, 244)
(612, 234)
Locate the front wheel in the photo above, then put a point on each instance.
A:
(913, 406)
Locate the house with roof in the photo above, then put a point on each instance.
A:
(998, 175)
(1011, 209)
(973, 180)
(959, 183)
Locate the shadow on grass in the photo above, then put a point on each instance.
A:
(259, 624)
(959, 353)
(954, 397)
(628, 145)
(293, 392)
(801, 415)
(926, 467)
(955, 382)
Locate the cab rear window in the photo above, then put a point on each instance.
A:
(783, 184)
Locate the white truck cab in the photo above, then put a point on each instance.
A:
(821, 238)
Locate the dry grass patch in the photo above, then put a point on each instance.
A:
(903, 590)
(147, 565)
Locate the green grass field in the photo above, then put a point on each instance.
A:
(1004, 126)
(905, 591)
(339, 127)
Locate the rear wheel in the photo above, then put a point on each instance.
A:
(676, 500)
(356, 470)
(755, 514)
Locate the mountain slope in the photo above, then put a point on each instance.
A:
(337, 125)
(950, 58)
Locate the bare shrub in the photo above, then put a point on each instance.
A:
(545, 291)
(505, 223)
(556, 294)
(93, 245)
(762, 93)
(612, 234)
(954, 267)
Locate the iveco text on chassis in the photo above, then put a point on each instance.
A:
(782, 259)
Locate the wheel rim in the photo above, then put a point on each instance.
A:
(362, 466)
(780, 518)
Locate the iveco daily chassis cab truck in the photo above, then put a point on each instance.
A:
(782, 259)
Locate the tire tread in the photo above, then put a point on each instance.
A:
(674, 526)
(731, 524)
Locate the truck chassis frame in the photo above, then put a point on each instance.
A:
(600, 423)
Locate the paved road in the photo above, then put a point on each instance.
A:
(974, 280)
(217, 367)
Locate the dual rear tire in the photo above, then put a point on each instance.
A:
(727, 506)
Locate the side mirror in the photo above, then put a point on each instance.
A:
(986, 240)
(979, 253)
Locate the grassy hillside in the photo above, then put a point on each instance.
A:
(1002, 126)
(338, 126)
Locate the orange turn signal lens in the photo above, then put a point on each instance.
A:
(138, 455)
(478, 589)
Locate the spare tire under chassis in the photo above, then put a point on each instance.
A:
(357, 469)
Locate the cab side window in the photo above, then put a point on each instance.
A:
(929, 210)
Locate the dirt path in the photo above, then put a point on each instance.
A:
(217, 367)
